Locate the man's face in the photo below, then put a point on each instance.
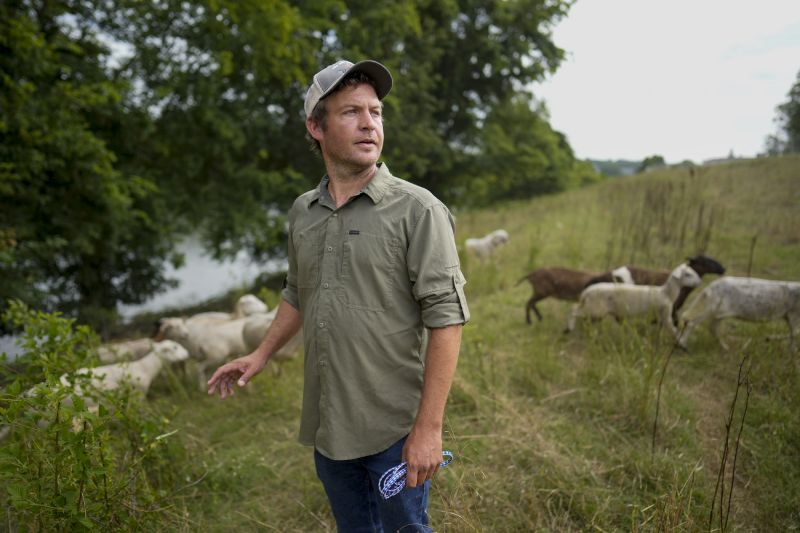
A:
(353, 135)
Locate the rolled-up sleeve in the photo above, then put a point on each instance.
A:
(435, 271)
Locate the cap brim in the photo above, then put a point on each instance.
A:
(379, 74)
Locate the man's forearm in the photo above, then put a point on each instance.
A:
(440, 366)
(287, 322)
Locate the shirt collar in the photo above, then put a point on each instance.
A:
(379, 184)
(375, 189)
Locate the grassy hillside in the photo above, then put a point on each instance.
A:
(553, 432)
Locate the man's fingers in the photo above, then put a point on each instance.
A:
(411, 477)
(247, 375)
(419, 475)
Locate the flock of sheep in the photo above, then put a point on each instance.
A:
(632, 291)
(209, 339)
(212, 338)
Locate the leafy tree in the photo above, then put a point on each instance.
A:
(653, 161)
(456, 60)
(787, 139)
(76, 232)
(522, 156)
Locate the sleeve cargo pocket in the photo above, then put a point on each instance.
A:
(446, 306)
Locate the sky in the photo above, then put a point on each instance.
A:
(684, 79)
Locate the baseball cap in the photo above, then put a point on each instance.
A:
(328, 78)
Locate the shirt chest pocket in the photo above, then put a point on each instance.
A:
(370, 264)
(309, 251)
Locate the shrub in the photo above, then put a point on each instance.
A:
(64, 466)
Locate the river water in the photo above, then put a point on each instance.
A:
(202, 278)
(199, 279)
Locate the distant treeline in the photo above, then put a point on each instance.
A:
(126, 124)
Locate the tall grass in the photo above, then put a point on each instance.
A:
(554, 432)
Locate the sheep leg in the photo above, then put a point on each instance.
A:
(532, 305)
(202, 380)
(666, 321)
(716, 329)
(573, 315)
(794, 328)
(688, 326)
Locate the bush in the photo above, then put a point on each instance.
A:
(65, 466)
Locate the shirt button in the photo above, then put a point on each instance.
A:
(336, 214)
(325, 285)
(330, 248)
(321, 324)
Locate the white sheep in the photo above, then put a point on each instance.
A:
(622, 300)
(139, 374)
(484, 246)
(130, 350)
(255, 328)
(749, 299)
(247, 305)
(209, 343)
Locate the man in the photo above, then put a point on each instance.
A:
(373, 274)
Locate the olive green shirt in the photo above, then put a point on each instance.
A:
(368, 279)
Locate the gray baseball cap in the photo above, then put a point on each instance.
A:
(328, 78)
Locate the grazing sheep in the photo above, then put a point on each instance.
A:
(139, 373)
(619, 301)
(115, 352)
(702, 264)
(750, 299)
(209, 343)
(255, 328)
(247, 305)
(484, 246)
(558, 282)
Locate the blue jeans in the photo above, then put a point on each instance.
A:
(352, 489)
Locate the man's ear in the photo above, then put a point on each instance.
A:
(314, 129)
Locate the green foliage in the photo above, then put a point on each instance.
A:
(65, 466)
(520, 157)
(76, 232)
(651, 162)
(787, 139)
(456, 63)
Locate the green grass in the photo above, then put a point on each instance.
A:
(555, 432)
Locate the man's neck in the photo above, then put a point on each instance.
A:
(344, 184)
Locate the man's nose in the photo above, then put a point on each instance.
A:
(368, 121)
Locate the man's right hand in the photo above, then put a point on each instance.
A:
(238, 371)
